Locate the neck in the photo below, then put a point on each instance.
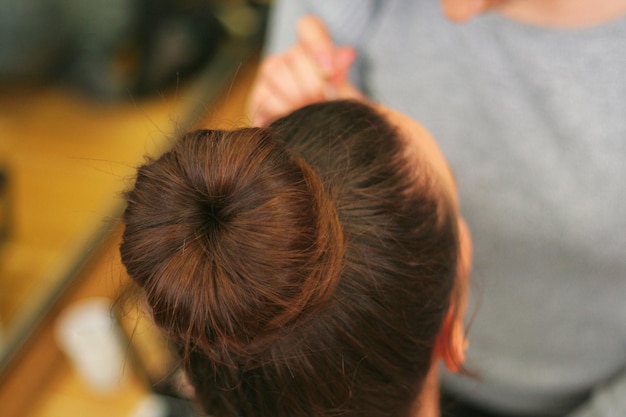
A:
(562, 13)
(427, 404)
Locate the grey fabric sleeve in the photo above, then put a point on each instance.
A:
(281, 31)
(608, 400)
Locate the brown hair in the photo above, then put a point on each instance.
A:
(302, 269)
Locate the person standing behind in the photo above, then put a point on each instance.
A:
(528, 101)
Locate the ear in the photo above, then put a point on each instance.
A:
(451, 344)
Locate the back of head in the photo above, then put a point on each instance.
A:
(302, 269)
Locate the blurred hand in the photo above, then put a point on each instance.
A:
(312, 70)
(463, 10)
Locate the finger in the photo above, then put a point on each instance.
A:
(317, 42)
(463, 10)
(343, 59)
(293, 77)
(283, 79)
(274, 78)
(264, 92)
(267, 107)
(259, 88)
(340, 87)
(311, 82)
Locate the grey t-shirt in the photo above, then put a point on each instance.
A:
(533, 122)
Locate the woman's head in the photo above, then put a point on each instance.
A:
(301, 269)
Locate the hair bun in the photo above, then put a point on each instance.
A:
(231, 237)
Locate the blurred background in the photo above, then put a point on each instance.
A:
(87, 89)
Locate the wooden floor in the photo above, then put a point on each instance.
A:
(71, 158)
(67, 160)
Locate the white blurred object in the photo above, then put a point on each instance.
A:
(92, 340)
(151, 406)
